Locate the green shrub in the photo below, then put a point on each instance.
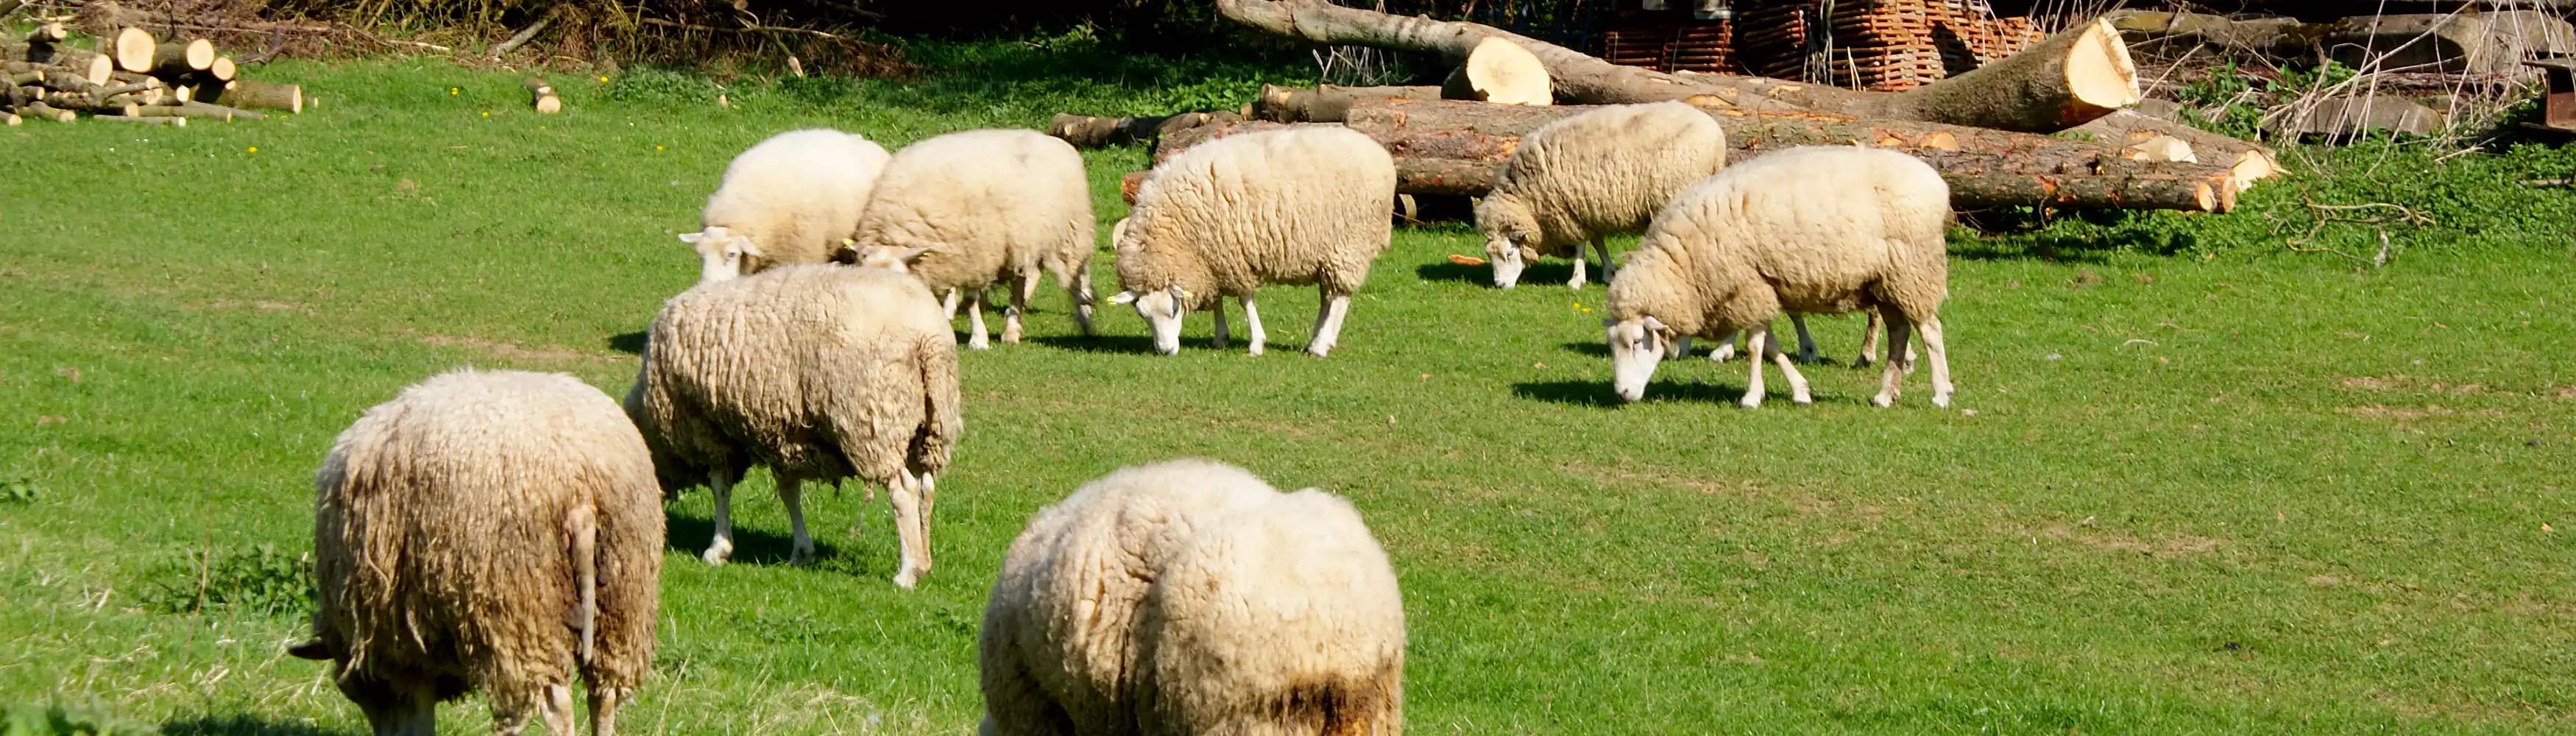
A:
(258, 580)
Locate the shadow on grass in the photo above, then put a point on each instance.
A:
(1594, 348)
(631, 343)
(691, 534)
(238, 725)
(1599, 394)
(1126, 344)
(1551, 273)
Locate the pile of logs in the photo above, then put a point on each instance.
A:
(2046, 127)
(131, 77)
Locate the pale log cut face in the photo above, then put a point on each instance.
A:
(1636, 346)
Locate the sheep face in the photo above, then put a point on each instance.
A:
(1511, 237)
(726, 254)
(1636, 345)
(1162, 311)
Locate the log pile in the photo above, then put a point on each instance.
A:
(2046, 127)
(131, 77)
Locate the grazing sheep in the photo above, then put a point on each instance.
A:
(1591, 175)
(487, 531)
(817, 372)
(965, 211)
(1819, 230)
(1188, 597)
(1296, 206)
(790, 199)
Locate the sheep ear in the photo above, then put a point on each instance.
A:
(1123, 297)
(691, 238)
(315, 649)
(1655, 324)
(1179, 296)
(910, 255)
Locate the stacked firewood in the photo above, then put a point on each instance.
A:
(130, 77)
(2043, 127)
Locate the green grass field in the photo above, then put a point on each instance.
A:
(2209, 485)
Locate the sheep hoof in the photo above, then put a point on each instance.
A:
(802, 557)
(1882, 401)
(1254, 351)
(979, 344)
(907, 579)
(1319, 350)
(1721, 354)
(1802, 399)
(1941, 400)
(1750, 402)
(717, 555)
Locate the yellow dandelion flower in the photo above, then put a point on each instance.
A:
(451, 91)
(487, 114)
(603, 79)
(657, 148)
(254, 149)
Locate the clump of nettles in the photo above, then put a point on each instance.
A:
(259, 580)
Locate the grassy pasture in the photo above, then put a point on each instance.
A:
(2209, 485)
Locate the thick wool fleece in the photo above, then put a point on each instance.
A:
(1815, 230)
(1309, 205)
(448, 532)
(1189, 597)
(818, 372)
(796, 195)
(991, 205)
(1599, 173)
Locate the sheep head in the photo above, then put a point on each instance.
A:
(898, 260)
(1511, 236)
(1162, 310)
(725, 253)
(1637, 344)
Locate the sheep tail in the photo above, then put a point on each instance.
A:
(581, 527)
(1347, 706)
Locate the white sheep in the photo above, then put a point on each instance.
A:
(1586, 177)
(790, 199)
(818, 372)
(487, 531)
(1189, 597)
(1819, 230)
(1308, 205)
(967, 210)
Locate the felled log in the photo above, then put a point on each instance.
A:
(133, 48)
(2248, 160)
(222, 70)
(1326, 103)
(542, 96)
(48, 33)
(89, 64)
(2026, 95)
(177, 58)
(1091, 132)
(252, 94)
(172, 122)
(197, 110)
(48, 112)
(1500, 72)
(1446, 153)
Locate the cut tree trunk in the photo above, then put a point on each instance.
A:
(1581, 78)
(2249, 160)
(542, 96)
(48, 33)
(1986, 168)
(133, 48)
(1327, 103)
(223, 69)
(172, 122)
(48, 112)
(252, 94)
(197, 110)
(18, 57)
(1090, 132)
(181, 57)
(1500, 72)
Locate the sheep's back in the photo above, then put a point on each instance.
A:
(1818, 223)
(1284, 206)
(1609, 170)
(440, 529)
(994, 202)
(782, 364)
(797, 193)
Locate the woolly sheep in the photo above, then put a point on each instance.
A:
(487, 531)
(1820, 230)
(790, 199)
(1298, 206)
(1189, 597)
(1591, 175)
(818, 372)
(964, 211)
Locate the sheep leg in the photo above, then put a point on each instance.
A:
(1806, 343)
(1897, 358)
(603, 710)
(1020, 296)
(1725, 349)
(974, 306)
(1681, 347)
(1788, 369)
(1218, 308)
(1868, 340)
(393, 711)
(1601, 245)
(1080, 292)
(555, 711)
(1252, 326)
(721, 487)
(1756, 341)
(948, 302)
(791, 491)
(1940, 355)
(910, 548)
(1328, 323)
(1577, 281)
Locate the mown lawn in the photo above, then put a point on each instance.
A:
(2198, 483)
